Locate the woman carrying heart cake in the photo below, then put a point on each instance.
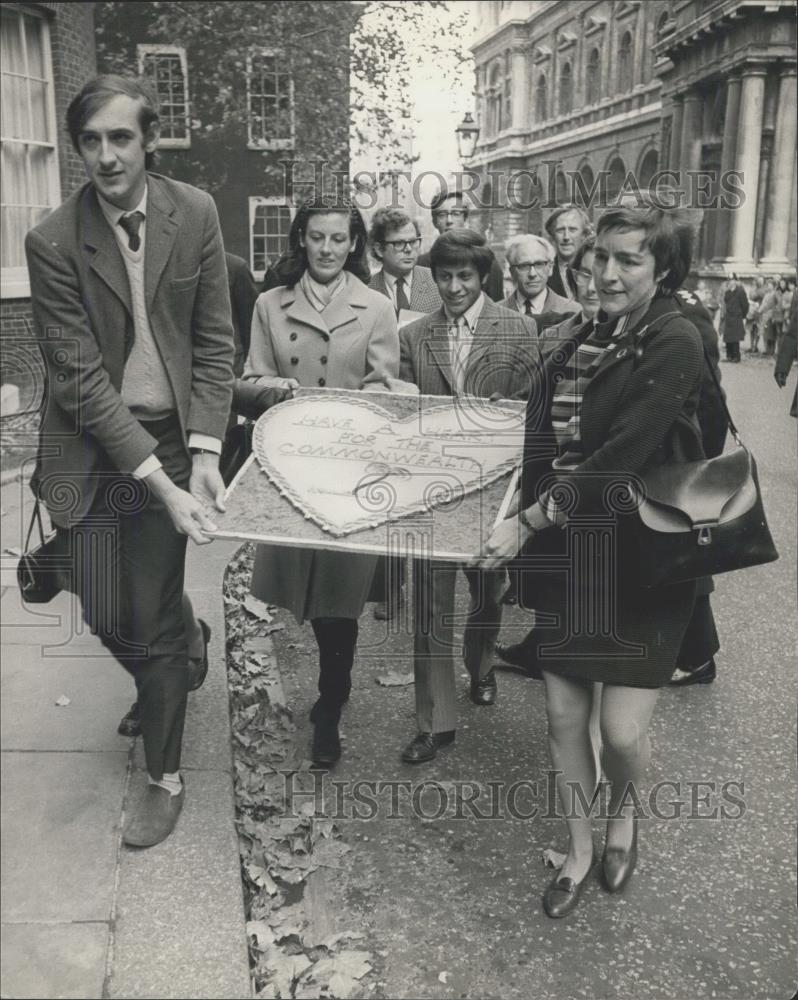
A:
(619, 400)
(323, 327)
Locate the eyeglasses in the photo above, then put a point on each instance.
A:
(403, 245)
(453, 213)
(526, 266)
(583, 275)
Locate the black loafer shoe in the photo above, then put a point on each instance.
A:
(617, 864)
(424, 746)
(131, 722)
(562, 895)
(705, 674)
(155, 817)
(198, 668)
(483, 691)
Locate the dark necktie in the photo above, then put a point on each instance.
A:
(131, 223)
(528, 307)
(402, 302)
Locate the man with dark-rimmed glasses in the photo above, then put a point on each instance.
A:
(450, 211)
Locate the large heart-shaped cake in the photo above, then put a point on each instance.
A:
(349, 464)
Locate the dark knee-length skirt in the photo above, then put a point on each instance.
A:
(615, 633)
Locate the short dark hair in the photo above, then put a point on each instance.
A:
(461, 246)
(587, 247)
(384, 221)
(293, 263)
(669, 235)
(98, 92)
(445, 195)
(561, 210)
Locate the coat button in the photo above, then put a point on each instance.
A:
(322, 381)
(292, 337)
(325, 337)
(323, 359)
(294, 361)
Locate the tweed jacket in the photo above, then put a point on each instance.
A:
(83, 319)
(504, 354)
(424, 296)
(553, 303)
(351, 344)
(638, 411)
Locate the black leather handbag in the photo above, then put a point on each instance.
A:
(40, 571)
(702, 518)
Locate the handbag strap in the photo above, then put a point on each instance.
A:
(707, 361)
(735, 433)
(36, 518)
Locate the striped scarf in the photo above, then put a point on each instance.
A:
(566, 406)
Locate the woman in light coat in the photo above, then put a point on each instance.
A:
(322, 327)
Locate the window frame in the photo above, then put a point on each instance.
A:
(145, 49)
(15, 281)
(273, 144)
(254, 202)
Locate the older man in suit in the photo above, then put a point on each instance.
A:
(395, 240)
(568, 227)
(531, 260)
(132, 312)
(470, 349)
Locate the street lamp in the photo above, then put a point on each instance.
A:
(467, 133)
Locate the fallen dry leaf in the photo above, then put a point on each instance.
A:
(552, 858)
(258, 608)
(63, 701)
(395, 679)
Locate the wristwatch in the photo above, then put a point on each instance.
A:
(203, 451)
(525, 521)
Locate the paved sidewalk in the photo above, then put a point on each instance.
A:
(83, 916)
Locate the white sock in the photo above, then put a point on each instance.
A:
(171, 782)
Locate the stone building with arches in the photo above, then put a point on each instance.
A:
(573, 99)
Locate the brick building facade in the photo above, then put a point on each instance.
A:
(242, 88)
(48, 53)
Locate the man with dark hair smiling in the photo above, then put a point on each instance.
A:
(472, 349)
(132, 313)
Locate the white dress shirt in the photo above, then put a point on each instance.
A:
(461, 336)
(537, 302)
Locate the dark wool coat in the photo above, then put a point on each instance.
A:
(735, 309)
(638, 411)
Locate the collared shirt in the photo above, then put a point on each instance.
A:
(146, 388)
(536, 303)
(390, 283)
(461, 331)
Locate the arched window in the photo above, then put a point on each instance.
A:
(566, 89)
(625, 63)
(583, 188)
(541, 99)
(593, 77)
(648, 167)
(616, 175)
